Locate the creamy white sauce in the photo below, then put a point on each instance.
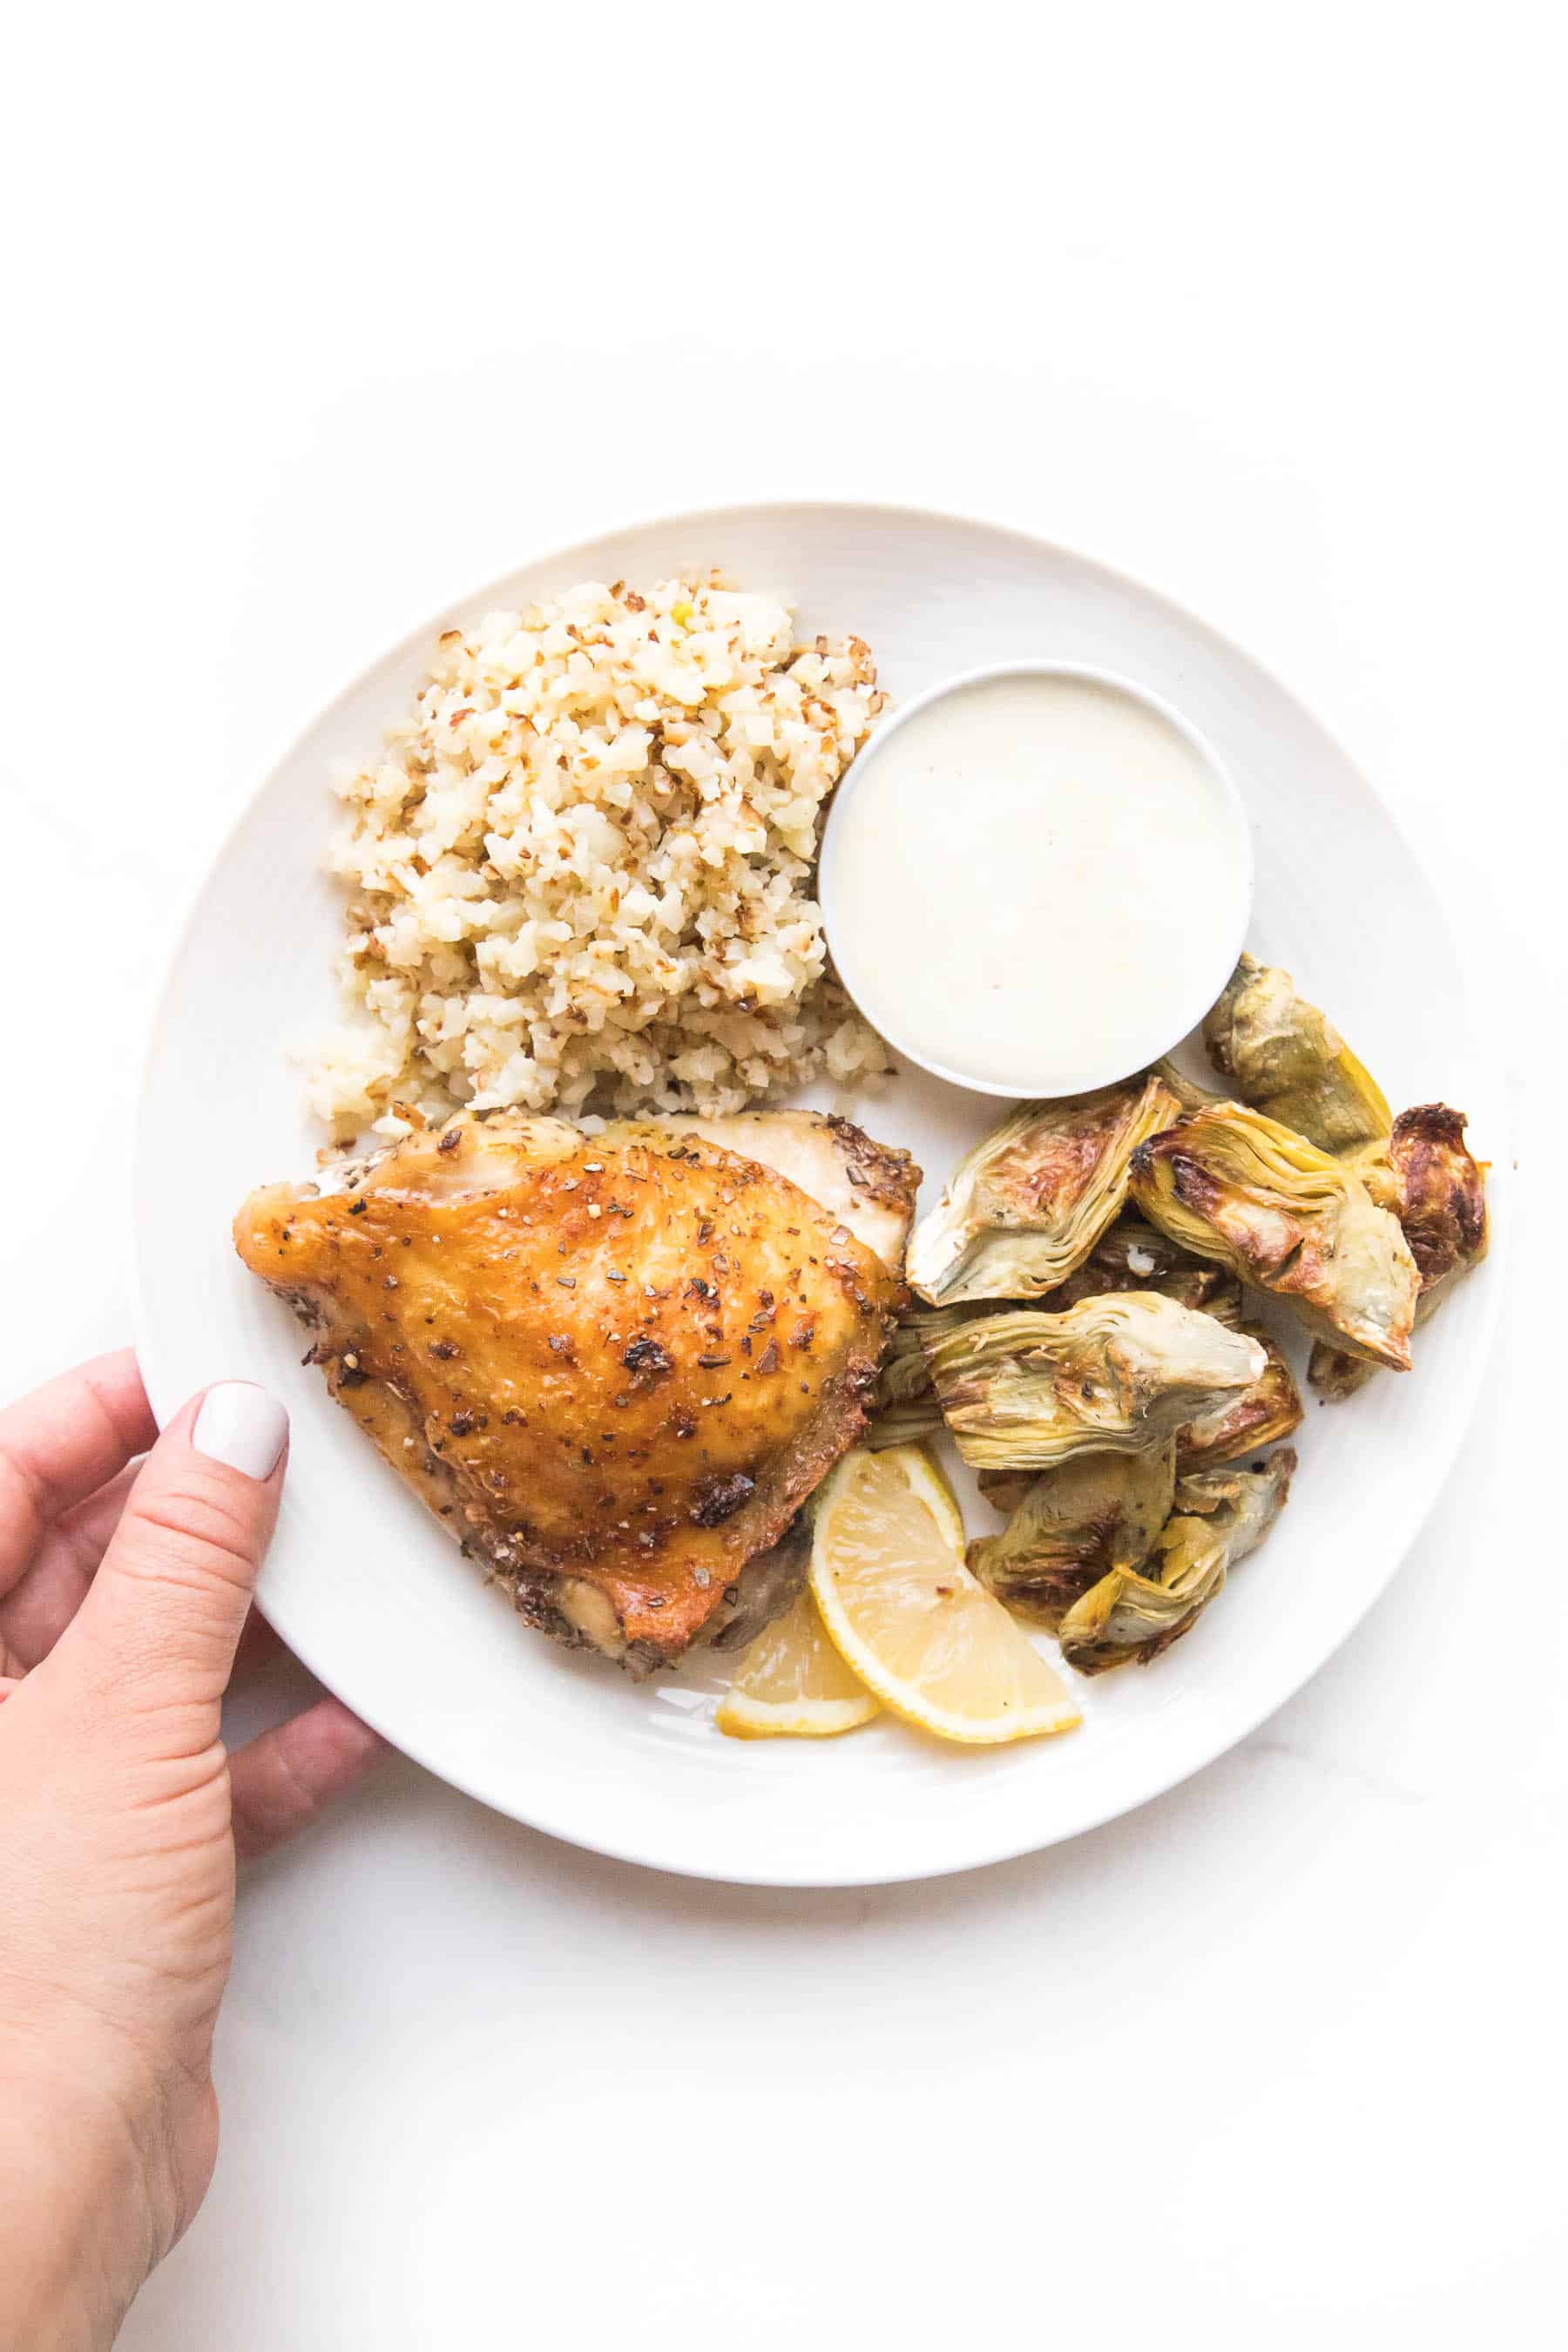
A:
(1029, 883)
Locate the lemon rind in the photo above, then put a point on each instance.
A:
(750, 1719)
(969, 1731)
(899, 1697)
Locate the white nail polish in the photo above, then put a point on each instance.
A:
(242, 1425)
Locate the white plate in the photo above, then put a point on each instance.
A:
(372, 1594)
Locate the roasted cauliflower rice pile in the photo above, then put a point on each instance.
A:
(581, 871)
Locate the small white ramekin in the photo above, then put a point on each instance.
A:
(871, 991)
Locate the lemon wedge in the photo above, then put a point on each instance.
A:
(792, 1682)
(886, 1569)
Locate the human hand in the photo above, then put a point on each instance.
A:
(124, 1595)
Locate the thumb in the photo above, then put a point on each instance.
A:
(169, 1601)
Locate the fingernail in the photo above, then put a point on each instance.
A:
(242, 1425)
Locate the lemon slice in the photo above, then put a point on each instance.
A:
(791, 1682)
(886, 1569)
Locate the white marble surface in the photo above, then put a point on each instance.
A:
(312, 331)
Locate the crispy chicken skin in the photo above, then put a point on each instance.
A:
(870, 1187)
(617, 1364)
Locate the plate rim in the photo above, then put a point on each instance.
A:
(1143, 1789)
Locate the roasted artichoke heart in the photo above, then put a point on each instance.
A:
(1232, 1185)
(1269, 1410)
(904, 1408)
(1029, 1203)
(1027, 1391)
(1262, 1414)
(1333, 1375)
(1439, 1195)
(1219, 1517)
(1005, 1489)
(1190, 1092)
(1442, 1193)
(1135, 1256)
(1282, 1056)
(1096, 1513)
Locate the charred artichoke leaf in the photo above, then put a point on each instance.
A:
(904, 1425)
(1219, 1517)
(1073, 1525)
(1442, 1191)
(904, 1407)
(1236, 1186)
(1333, 1375)
(1439, 1196)
(1264, 1413)
(906, 1367)
(1133, 1255)
(1028, 1205)
(1027, 1391)
(1190, 1092)
(1005, 1489)
(1283, 1056)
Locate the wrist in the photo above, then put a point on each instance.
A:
(77, 2236)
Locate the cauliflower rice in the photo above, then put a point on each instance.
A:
(582, 872)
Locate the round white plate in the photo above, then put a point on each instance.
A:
(371, 1593)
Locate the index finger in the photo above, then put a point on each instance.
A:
(63, 1442)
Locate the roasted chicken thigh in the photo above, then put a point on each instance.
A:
(616, 1364)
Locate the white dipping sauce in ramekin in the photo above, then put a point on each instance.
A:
(1035, 880)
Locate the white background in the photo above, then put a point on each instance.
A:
(319, 316)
